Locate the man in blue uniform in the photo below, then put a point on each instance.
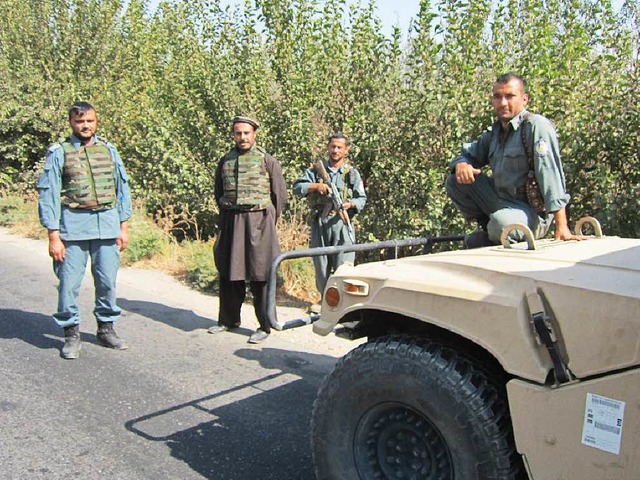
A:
(85, 204)
(331, 227)
(499, 200)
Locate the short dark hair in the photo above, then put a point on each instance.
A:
(340, 136)
(507, 77)
(80, 108)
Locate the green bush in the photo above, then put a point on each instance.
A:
(143, 245)
(145, 240)
(167, 80)
(201, 270)
(9, 211)
(20, 214)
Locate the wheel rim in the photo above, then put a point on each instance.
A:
(394, 441)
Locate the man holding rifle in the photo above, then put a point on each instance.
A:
(335, 193)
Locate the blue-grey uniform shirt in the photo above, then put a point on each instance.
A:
(75, 223)
(509, 164)
(358, 196)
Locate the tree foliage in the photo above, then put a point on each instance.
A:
(166, 82)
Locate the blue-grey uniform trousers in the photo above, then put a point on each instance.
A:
(479, 199)
(105, 260)
(329, 232)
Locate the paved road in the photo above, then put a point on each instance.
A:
(178, 404)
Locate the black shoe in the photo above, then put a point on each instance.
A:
(221, 328)
(258, 336)
(483, 222)
(477, 239)
(107, 337)
(315, 308)
(71, 348)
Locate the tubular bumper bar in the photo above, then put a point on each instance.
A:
(427, 243)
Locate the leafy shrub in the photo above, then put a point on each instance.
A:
(201, 272)
(167, 80)
(20, 215)
(8, 212)
(145, 240)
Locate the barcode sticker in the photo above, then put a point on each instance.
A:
(602, 427)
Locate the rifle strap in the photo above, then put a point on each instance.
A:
(527, 143)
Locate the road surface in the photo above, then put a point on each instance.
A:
(178, 404)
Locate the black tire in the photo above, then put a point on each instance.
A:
(403, 407)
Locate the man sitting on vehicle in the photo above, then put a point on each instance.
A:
(500, 200)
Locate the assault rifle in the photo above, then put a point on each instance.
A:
(336, 199)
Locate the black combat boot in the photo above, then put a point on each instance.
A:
(479, 238)
(107, 336)
(71, 348)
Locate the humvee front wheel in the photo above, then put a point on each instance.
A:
(403, 407)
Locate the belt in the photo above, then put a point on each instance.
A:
(331, 213)
(245, 208)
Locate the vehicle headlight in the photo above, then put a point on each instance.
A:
(357, 288)
(332, 296)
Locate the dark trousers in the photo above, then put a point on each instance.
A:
(232, 295)
(480, 199)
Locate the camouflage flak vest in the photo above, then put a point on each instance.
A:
(246, 182)
(88, 177)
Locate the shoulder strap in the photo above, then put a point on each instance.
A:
(345, 172)
(528, 147)
(261, 149)
(54, 146)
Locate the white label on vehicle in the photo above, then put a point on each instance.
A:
(603, 423)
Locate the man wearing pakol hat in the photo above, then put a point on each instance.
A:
(250, 191)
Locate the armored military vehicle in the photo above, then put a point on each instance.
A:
(505, 362)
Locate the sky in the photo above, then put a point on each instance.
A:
(390, 12)
(399, 12)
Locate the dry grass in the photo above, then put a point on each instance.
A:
(20, 215)
(298, 274)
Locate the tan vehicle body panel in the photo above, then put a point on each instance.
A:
(548, 426)
(591, 291)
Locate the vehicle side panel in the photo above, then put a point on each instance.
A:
(548, 427)
(600, 330)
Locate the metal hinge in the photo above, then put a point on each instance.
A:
(545, 335)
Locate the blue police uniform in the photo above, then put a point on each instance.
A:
(501, 197)
(327, 228)
(84, 233)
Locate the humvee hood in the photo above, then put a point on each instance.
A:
(590, 290)
(608, 264)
